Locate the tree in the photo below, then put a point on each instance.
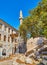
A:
(35, 24)
(40, 17)
(25, 28)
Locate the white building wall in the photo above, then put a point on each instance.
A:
(3, 27)
(5, 44)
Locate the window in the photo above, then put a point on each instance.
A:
(4, 52)
(0, 26)
(12, 31)
(12, 40)
(4, 37)
(9, 30)
(0, 45)
(0, 36)
(15, 40)
(8, 39)
(5, 28)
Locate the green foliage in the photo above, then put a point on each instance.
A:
(25, 28)
(36, 23)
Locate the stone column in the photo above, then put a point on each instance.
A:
(6, 38)
(7, 29)
(2, 37)
(7, 34)
(10, 31)
(10, 40)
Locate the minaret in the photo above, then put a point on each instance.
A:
(21, 17)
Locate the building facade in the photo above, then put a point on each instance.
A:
(8, 39)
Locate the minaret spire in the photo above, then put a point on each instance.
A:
(21, 17)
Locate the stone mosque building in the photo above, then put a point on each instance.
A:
(8, 36)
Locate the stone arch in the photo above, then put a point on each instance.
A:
(4, 52)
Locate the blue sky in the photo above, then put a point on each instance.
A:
(9, 10)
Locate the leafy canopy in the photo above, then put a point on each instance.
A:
(36, 24)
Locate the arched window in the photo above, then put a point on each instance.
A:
(4, 37)
(0, 26)
(0, 36)
(12, 40)
(4, 52)
(9, 30)
(8, 39)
